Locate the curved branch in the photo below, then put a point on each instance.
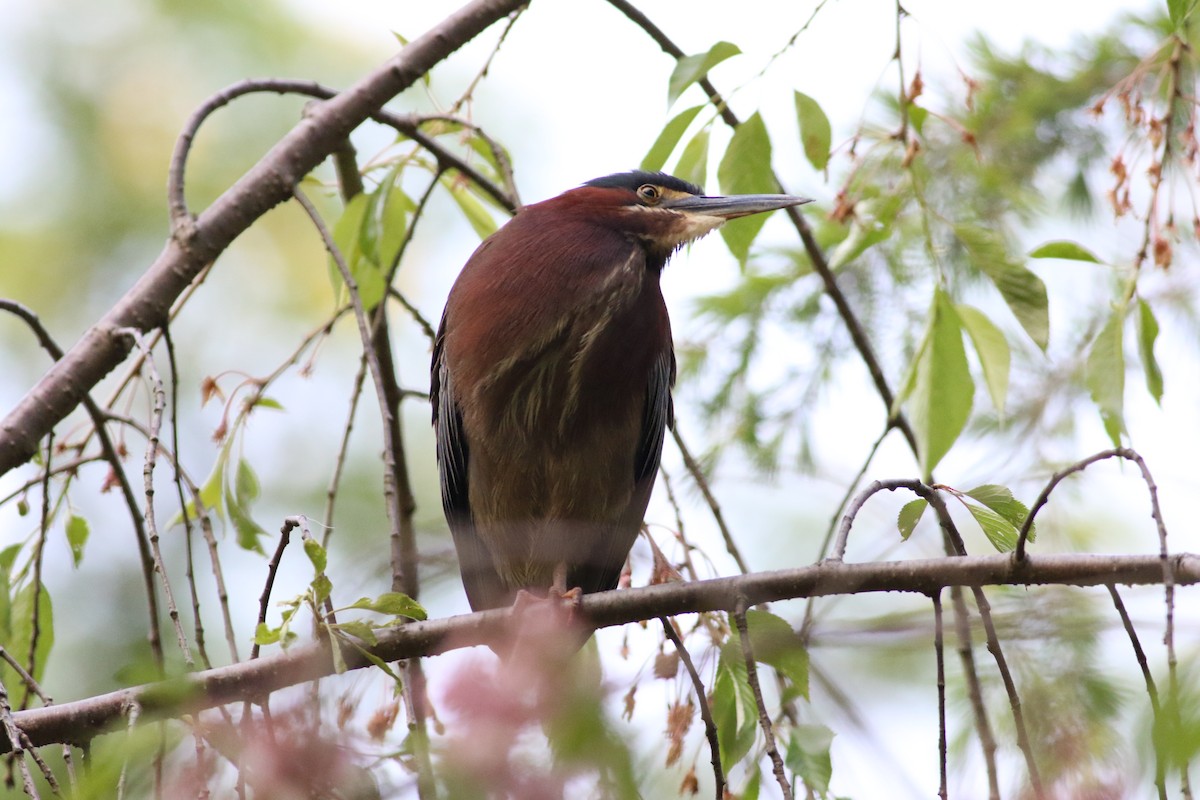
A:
(267, 184)
(82, 719)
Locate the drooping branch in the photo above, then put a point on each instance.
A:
(82, 719)
(265, 185)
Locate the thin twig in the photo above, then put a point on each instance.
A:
(152, 446)
(178, 481)
(710, 727)
(47, 700)
(693, 468)
(16, 741)
(113, 458)
(940, 656)
(408, 125)
(264, 599)
(399, 506)
(39, 548)
(983, 725)
(764, 718)
(1160, 772)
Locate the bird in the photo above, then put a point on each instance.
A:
(551, 381)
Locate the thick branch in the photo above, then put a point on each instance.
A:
(80, 720)
(265, 185)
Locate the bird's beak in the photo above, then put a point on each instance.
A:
(734, 206)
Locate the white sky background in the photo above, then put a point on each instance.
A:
(574, 96)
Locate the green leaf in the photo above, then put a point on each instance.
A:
(316, 554)
(248, 531)
(746, 169)
(77, 536)
(268, 402)
(690, 69)
(322, 587)
(941, 385)
(393, 603)
(1179, 10)
(358, 628)
(1106, 375)
(22, 632)
(807, 755)
(774, 642)
(693, 161)
(753, 784)
(475, 212)
(393, 225)
(668, 140)
(1147, 334)
(999, 531)
(815, 132)
(1023, 291)
(992, 349)
(265, 635)
(246, 484)
(1065, 250)
(910, 515)
(351, 232)
(863, 235)
(917, 116)
(734, 711)
(1000, 499)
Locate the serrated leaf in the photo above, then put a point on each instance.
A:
(1063, 249)
(668, 139)
(475, 212)
(690, 69)
(775, 643)
(394, 603)
(815, 133)
(1023, 291)
(1000, 499)
(77, 536)
(316, 554)
(1147, 334)
(993, 351)
(999, 531)
(746, 169)
(942, 388)
(693, 161)
(807, 755)
(910, 514)
(1106, 375)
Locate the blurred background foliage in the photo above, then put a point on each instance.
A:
(1013, 142)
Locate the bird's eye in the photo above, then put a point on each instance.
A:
(649, 193)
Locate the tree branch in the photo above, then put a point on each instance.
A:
(82, 719)
(267, 184)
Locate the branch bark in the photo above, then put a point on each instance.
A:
(265, 185)
(79, 721)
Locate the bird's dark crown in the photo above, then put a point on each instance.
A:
(635, 178)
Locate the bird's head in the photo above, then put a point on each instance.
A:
(665, 212)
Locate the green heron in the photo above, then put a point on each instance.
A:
(551, 382)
